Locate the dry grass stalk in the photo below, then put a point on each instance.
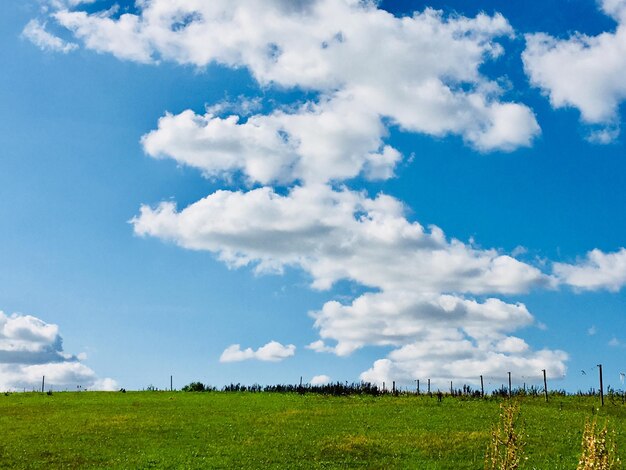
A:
(505, 451)
(599, 451)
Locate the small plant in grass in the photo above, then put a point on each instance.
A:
(599, 451)
(505, 451)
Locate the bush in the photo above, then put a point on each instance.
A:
(194, 387)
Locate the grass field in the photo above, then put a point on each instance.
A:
(271, 430)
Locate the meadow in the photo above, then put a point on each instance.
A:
(153, 429)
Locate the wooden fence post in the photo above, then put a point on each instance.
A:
(601, 385)
(482, 388)
(545, 385)
(43, 382)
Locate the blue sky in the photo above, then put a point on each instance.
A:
(137, 296)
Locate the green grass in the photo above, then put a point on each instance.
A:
(244, 430)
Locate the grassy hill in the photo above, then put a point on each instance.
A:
(274, 430)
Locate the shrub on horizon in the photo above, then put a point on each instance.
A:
(195, 387)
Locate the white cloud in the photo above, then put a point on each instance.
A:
(519, 251)
(335, 235)
(597, 271)
(365, 71)
(615, 343)
(331, 140)
(341, 234)
(420, 72)
(320, 380)
(442, 337)
(462, 361)
(592, 330)
(105, 385)
(399, 318)
(36, 33)
(320, 346)
(104, 34)
(614, 8)
(272, 352)
(31, 348)
(243, 106)
(583, 72)
(61, 4)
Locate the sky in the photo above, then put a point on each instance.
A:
(339, 190)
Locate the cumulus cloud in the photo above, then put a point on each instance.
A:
(272, 352)
(598, 270)
(31, 348)
(365, 71)
(459, 359)
(583, 72)
(331, 140)
(36, 33)
(335, 235)
(320, 380)
(435, 336)
(399, 318)
(419, 72)
(338, 235)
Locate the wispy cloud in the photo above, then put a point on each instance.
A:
(36, 33)
(615, 343)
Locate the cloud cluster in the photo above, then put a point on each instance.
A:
(31, 348)
(365, 71)
(369, 70)
(272, 352)
(435, 336)
(341, 234)
(584, 72)
(369, 67)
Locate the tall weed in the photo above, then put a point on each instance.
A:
(506, 448)
(599, 451)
